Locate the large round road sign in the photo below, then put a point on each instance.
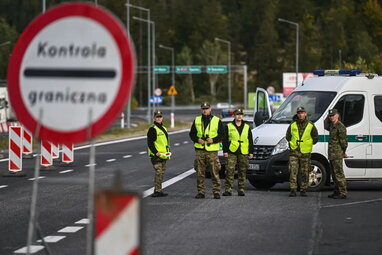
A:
(71, 72)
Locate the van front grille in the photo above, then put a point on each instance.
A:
(262, 152)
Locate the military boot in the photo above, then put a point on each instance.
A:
(292, 193)
(303, 193)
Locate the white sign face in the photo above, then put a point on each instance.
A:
(158, 92)
(53, 77)
(71, 71)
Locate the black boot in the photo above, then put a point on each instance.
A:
(292, 193)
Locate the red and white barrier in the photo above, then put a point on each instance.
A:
(46, 154)
(55, 150)
(4, 126)
(27, 142)
(117, 227)
(67, 155)
(15, 149)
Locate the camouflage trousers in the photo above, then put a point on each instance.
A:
(160, 168)
(233, 160)
(299, 165)
(207, 161)
(338, 176)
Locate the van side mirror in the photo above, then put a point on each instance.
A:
(260, 118)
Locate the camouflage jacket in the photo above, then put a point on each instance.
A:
(338, 141)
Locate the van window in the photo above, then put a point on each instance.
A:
(315, 103)
(378, 107)
(350, 108)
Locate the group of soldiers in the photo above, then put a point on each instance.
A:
(207, 132)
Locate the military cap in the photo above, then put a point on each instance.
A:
(300, 109)
(158, 113)
(239, 111)
(205, 105)
(333, 112)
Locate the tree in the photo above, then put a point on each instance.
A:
(187, 93)
(7, 33)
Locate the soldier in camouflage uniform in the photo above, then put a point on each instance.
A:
(238, 143)
(158, 150)
(301, 135)
(337, 151)
(207, 132)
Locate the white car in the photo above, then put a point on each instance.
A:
(224, 106)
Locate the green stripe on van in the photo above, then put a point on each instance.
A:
(353, 139)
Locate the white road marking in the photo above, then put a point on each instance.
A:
(33, 249)
(69, 229)
(83, 221)
(3, 186)
(127, 156)
(353, 203)
(167, 183)
(88, 165)
(111, 160)
(40, 177)
(66, 171)
(185, 142)
(52, 239)
(143, 152)
(176, 144)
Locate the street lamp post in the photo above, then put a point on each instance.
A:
(297, 42)
(173, 82)
(229, 68)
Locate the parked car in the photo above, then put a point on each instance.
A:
(224, 106)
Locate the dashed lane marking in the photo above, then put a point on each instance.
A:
(88, 165)
(40, 177)
(69, 229)
(83, 221)
(185, 142)
(3, 186)
(111, 160)
(176, 144)
(353, 203)
(66, 171)
(52, 239)
(33, 249)
(127, 156)
(143, 152)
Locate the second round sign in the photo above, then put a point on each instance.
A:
(71, 70)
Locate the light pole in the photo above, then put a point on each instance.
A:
(229, 68)
(173, 82)
(297, 42)
(152, 23)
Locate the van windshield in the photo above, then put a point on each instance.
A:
(314, 102)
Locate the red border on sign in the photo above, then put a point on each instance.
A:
(127, 76)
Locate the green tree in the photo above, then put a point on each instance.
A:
(7, 34)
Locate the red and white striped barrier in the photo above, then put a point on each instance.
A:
(67, 155)
(117, 228)
(27, 142)
(15, 149)
(4, 126)
(46, 154)
(55, 150)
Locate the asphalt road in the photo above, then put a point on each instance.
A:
(262, 222)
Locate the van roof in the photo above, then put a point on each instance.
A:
(341, 83)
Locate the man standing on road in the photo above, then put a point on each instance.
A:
(158, 143)
(301, 135)
(206, 132)
(337, 151)
(238, 143)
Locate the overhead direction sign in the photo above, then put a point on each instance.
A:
(71, 70)
(216, 69)
(188, 69)
(161, 69)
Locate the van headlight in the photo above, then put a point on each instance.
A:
(282, 146)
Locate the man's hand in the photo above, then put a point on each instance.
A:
(251, 156)
(201, 141)
(345, 155)
(225, 154)
(158, 154)
(209, 140)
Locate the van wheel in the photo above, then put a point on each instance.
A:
(317, 176)
(260, 184)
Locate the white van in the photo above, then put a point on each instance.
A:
(357, 97)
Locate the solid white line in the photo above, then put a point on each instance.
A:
(127, 156)
(52, 239)
(167, 183)
(83, 221)
(111, 160)
(353, 203)
(176, 144)
(143, 152)
(33, 249)
(40, 177)
(69, 229)
(66, 171)
(3, 186)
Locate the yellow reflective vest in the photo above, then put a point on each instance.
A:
(161, 143)
(237, 140)
(210, 131)
(305, 142)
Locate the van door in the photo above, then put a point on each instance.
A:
(354, 114)
(374, 160)
(262, 111)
